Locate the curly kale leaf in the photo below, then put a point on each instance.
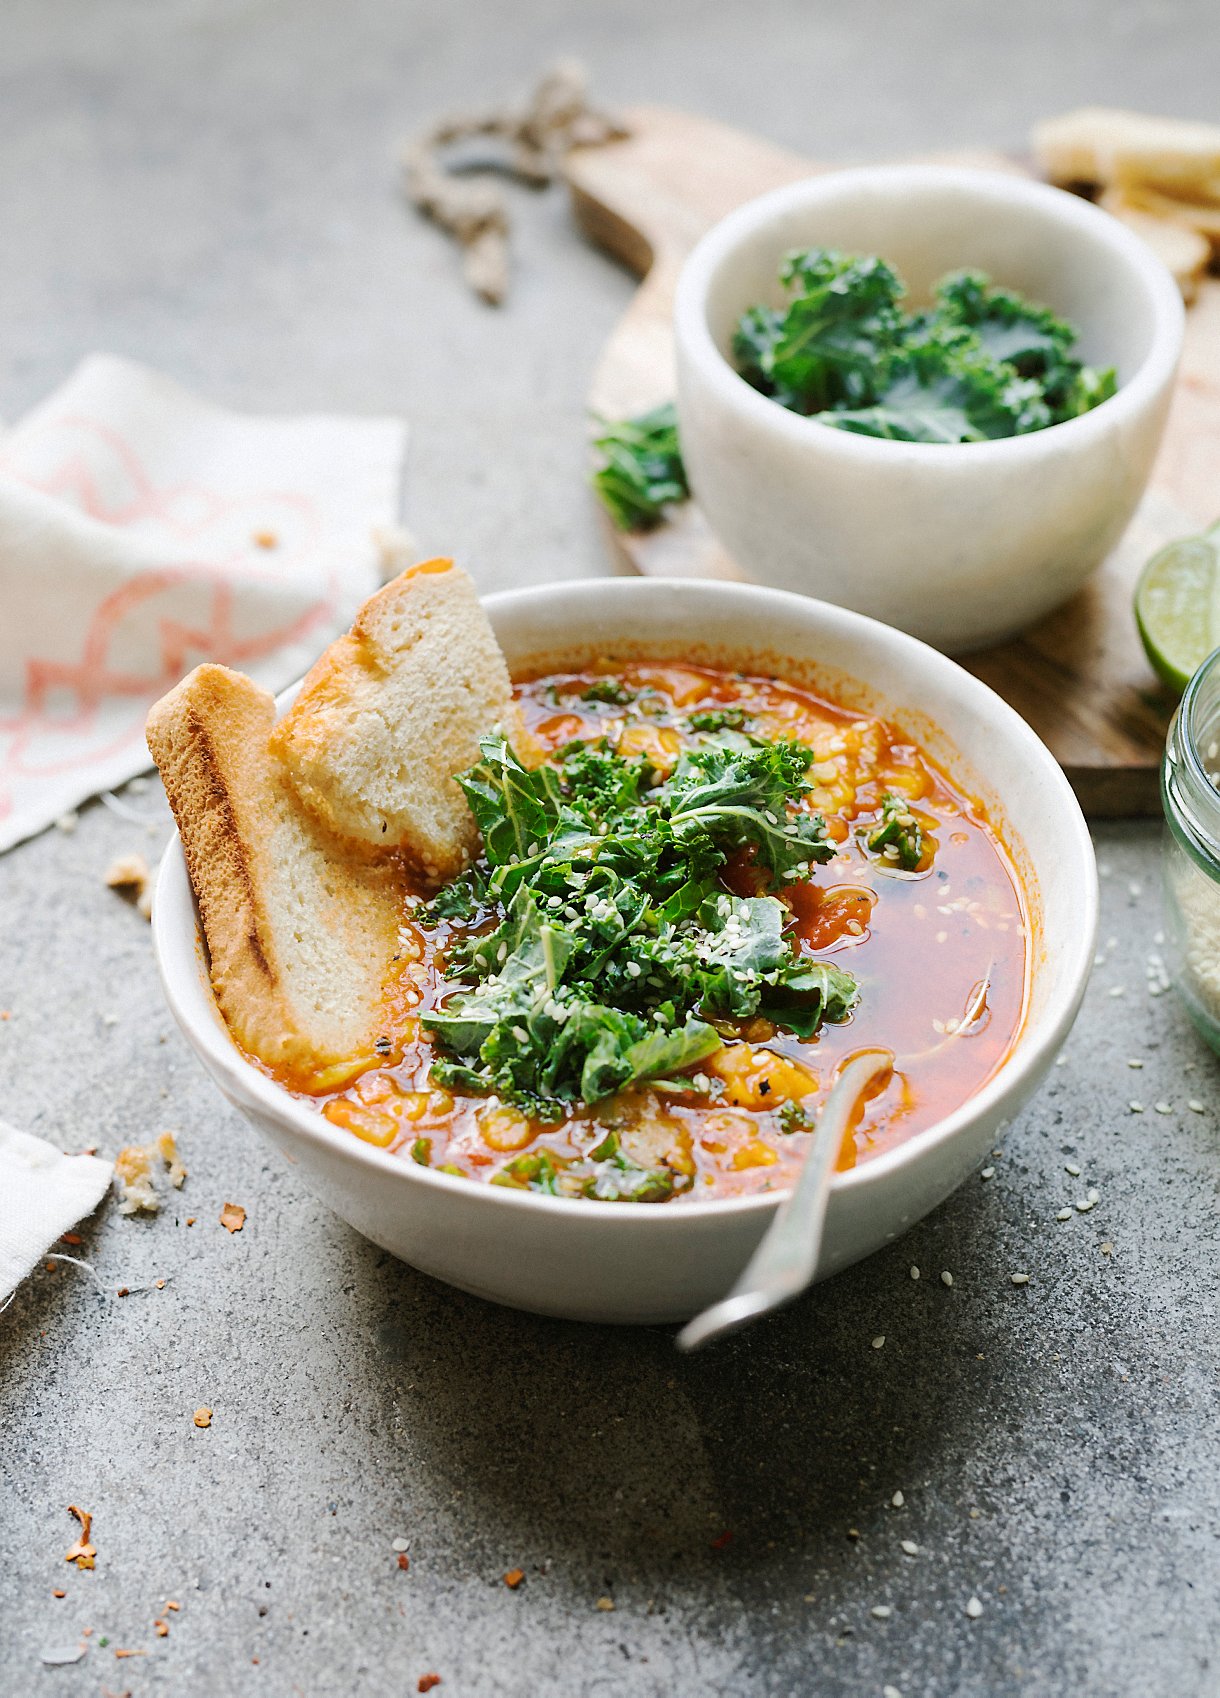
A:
(822, 351)
(642, 471)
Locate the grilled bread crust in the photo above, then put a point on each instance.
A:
(302, 928)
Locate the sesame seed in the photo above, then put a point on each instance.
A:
(914, 1273)
(1084, 1204)
(879, 1341)
(1019, 1278)
(882, 1612)
(987, 1173)
(1133, 1062)
(1118, 990)
(946, 1278)
(974, 1609)
(1136, 1108)
(1163, 1108)
(1070, 1167)
(1195, 1106)
(898, 1500)
(1064, 1214)
(910, 1547)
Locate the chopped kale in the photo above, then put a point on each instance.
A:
(642, 471)
(794, 1117)
(617, 945)
(897, 830)
(720, 719)
(609, 690)
(981, 363)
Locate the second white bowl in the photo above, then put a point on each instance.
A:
(963, 544)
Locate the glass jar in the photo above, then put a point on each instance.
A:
(1190, 795)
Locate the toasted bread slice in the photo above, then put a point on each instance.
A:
(1105, 145)
(391, 712)
(1186, 253)
(301, 928)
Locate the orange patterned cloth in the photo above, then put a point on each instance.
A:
(143, 531)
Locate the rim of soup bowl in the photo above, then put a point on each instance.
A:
(179, 949)
(993, 190)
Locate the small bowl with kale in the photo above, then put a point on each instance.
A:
(930, 394)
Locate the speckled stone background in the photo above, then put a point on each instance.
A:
(209, 185)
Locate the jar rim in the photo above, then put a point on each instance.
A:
(1190, 795)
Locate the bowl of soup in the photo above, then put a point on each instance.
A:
(896, 862)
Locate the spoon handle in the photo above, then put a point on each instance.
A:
(786, 1259)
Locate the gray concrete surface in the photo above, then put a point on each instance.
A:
(209, 186)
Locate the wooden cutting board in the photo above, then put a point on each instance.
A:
(1080, 676)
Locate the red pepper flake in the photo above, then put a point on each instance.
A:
(58, 1592)
(122, 1292)
(232, 1217)
(82, 1552)
(119, 1653)
(721, 1540)
(70, 1238)
(172, 1604)
(162, 1627)
(513, 1578)
(50, 1267)
(190, 1220)
(404, 1561)
(427, 1682)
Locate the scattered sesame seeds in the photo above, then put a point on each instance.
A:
(1019, 1278)
(883, 1612)
(946, 1278)
(974, 1608)
(910, 1547)
(987, 1173)
(879, 1341)
(898, 1500)
(1084, 1204)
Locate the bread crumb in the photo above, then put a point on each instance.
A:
(266, 539)
(232, 1217)
(513, 1578)
(167, 1149)
(83, 1553)
(203, 1416)
(605, 1603)
(134, 1168)
(133, 1174)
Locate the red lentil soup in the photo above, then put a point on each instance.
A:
(938, 951)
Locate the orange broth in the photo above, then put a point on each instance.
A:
(927, 947)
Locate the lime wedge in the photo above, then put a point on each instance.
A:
(1177, 606)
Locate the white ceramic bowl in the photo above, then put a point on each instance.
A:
(632, 1262)
(960, 544)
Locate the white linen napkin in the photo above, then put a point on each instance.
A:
(142, 531)
(43, 1193)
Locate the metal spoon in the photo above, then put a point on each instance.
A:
(784, 1263)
